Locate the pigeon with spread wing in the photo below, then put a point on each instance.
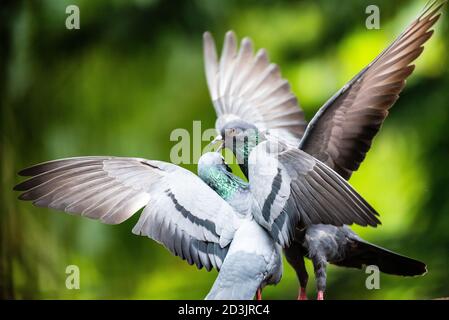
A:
(252, 100)
(294, 188)
(321, 243)
(180, 211)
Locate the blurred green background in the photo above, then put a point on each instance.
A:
(133, 73)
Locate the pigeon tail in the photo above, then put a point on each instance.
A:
(387, 261)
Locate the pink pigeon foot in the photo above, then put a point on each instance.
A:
(302, 294)
(320, 295)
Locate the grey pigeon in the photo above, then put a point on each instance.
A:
(181, 212)
(193, 221)
(249, 93)
(321, 243)
(295, 188)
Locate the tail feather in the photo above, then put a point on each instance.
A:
(365, 253)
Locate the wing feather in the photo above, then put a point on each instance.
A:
(342, 131)
(291, 188)
(248, 87)
(112, 189)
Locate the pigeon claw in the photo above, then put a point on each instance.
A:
(302, 294)
(259, 294)
(320, 295)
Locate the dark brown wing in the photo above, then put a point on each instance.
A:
(341, 132)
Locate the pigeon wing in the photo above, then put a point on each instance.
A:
(341, 132)
(248, 87)
(291, 188)
(181, 211)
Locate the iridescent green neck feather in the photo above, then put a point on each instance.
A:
(221, 181)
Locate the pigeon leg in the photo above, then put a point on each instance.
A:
(295, 257)
(259, 294)
(303, 277)
(319, 265)
(302, 294)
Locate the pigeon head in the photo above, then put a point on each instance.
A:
(215, 172)
(238, 131)
(213, 160)
(241, 137)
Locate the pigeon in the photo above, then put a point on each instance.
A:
(321, 243)
(199, 226)
(288, 188)
(296, 188)
(249, 94)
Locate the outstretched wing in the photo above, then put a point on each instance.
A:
(292, 188)
(181, 211)
(341, 132)
(248, 87)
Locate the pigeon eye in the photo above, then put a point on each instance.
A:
(234, 131)
(231, 132)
